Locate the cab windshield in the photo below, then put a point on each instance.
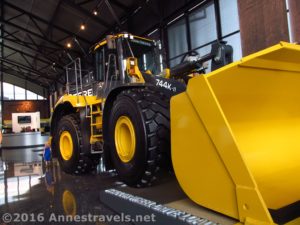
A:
(147, 54)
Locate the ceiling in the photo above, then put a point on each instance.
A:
(35, 34)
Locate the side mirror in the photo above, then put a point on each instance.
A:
(222, 55)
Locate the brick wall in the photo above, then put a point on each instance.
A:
(262, 23)
(10, 107)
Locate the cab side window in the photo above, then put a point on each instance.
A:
(100, 64)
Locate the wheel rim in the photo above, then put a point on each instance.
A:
(125, 140)
(66, 145)
(69, 203)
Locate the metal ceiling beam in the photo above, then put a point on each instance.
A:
(32, 33)
(33, 71)
(120, 5)
(23, 76)
(48, 31)
(27, 54)
(46, 22)
(10, 34)
(133, 10)
(18, 41)
(13, 53)
(15, 67)
(37, 35)
(46, 54)
(38, 27)
(30, 45)
(14, 17)
(84, 2)
(26, 60)
(86, 13)
(54, 16)
(147, 5)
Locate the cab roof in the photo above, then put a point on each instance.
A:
(116, 36)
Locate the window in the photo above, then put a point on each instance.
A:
(12, 92)
(8, 91)
(30, 95)
(19, 93)
(235, 42)
(177, 35)
(41, 98)
(203, 26)
(229, 16)
(175, 61)
(204, 51)
(146, 52)
(100, 61)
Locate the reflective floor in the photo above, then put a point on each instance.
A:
(30, 188)
(31, 193)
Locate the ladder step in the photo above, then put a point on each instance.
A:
(97, 135)
(96, 124)
(96, 152)
(96, 112)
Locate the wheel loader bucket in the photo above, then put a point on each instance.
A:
(236, 138)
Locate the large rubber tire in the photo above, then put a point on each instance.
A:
(78, 163)
(149, 113)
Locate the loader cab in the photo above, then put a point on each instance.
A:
(146, 52)
(111, 59)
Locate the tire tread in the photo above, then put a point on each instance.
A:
(156, 114)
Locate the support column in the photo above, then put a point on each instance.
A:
(294, 7)
(1, 56)
(262, 24)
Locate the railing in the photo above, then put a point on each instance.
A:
(74, 68)
(74, 79)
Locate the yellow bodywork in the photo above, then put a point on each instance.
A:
(235, 136)
(78, 101)
(133, 70)
(95, 116)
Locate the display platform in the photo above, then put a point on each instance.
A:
(165, 201)
(23, 140)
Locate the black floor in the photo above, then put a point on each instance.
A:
(28, 187)
(35, 194)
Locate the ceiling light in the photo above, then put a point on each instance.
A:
(69, 45)
(95, 12)
(82, 26)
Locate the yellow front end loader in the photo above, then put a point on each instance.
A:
(235, 138)
(234, 132)
(120, 109)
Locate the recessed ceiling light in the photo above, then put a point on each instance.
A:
(82, 26)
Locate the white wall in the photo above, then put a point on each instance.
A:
(35, 121)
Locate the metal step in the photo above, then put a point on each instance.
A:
(97, 112)
(97, 135)
(96, 124)
(98, 146)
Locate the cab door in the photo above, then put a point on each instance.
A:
(108, 72)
